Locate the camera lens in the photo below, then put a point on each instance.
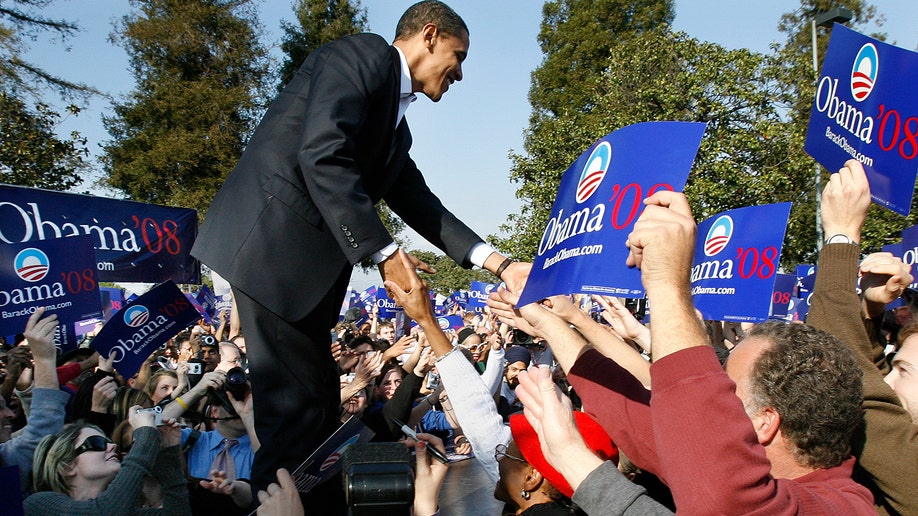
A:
(236, 383)
(235, 376)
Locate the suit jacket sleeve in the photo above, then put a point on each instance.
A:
(346, 80)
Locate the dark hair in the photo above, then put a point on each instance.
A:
(907, 331)
(813, 381)
(430, 11)
(360, 339)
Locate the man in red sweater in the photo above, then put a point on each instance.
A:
(770, 435)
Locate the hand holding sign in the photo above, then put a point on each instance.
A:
(845, 201)
(39, 333)
(662, 243)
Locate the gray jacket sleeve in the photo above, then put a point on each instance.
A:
(606, 492)
(47, 418)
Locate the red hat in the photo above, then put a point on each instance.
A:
(528, 442)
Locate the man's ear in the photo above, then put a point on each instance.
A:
(766, 423)
(431, 33)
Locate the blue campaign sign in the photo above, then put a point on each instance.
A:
(865, 109)
(144, 325)
(368, 296)
(909, 251)
(479, 292)
(582, 249)
(197, 306)
(783, 292)
(733, 273)
(803, 286)
(133, 241)
(450, 322)
(58, 274)
(802, 307)
(208, 301)
(386, 306)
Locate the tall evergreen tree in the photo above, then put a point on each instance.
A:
(318, 22)
(200, 74)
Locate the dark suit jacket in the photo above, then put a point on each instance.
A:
(299, 206)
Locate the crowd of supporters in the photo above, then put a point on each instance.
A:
(564, 413)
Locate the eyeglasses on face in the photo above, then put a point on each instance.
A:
(93, 443)
(501, 451)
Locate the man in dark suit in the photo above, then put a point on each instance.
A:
(297, 213)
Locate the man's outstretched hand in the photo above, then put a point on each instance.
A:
(393, 269)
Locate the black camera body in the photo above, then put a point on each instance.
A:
(521, 338)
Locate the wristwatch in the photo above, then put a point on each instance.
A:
(840, 239)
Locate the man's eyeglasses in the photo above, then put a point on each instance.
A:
(93, 443)
(501, 451)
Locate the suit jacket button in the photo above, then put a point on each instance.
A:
(348, 233)
(354, 245)
(343, 227)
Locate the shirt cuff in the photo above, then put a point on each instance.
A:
(380, 256)
(480, 253)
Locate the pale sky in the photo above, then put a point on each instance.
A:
(461, 143)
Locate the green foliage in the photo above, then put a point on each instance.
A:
(200, 75)
(31, 154)
(756, 106)
(450, 277)
(577, 38)
(319, 22)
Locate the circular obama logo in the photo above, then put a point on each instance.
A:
(594, 172)
(136, 315)
(864, 72)
(718, 236)
(31, 264)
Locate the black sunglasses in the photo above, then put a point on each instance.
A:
(93, 443)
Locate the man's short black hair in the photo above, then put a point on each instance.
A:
(430, 11)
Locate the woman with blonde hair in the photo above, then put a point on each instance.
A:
(78, 471)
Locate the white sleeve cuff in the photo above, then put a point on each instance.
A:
(480, 253)
(380, 256)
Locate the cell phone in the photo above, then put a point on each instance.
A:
(194, 368)
(157, 414)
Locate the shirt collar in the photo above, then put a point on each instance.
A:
(216, 440)
(405, 84)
